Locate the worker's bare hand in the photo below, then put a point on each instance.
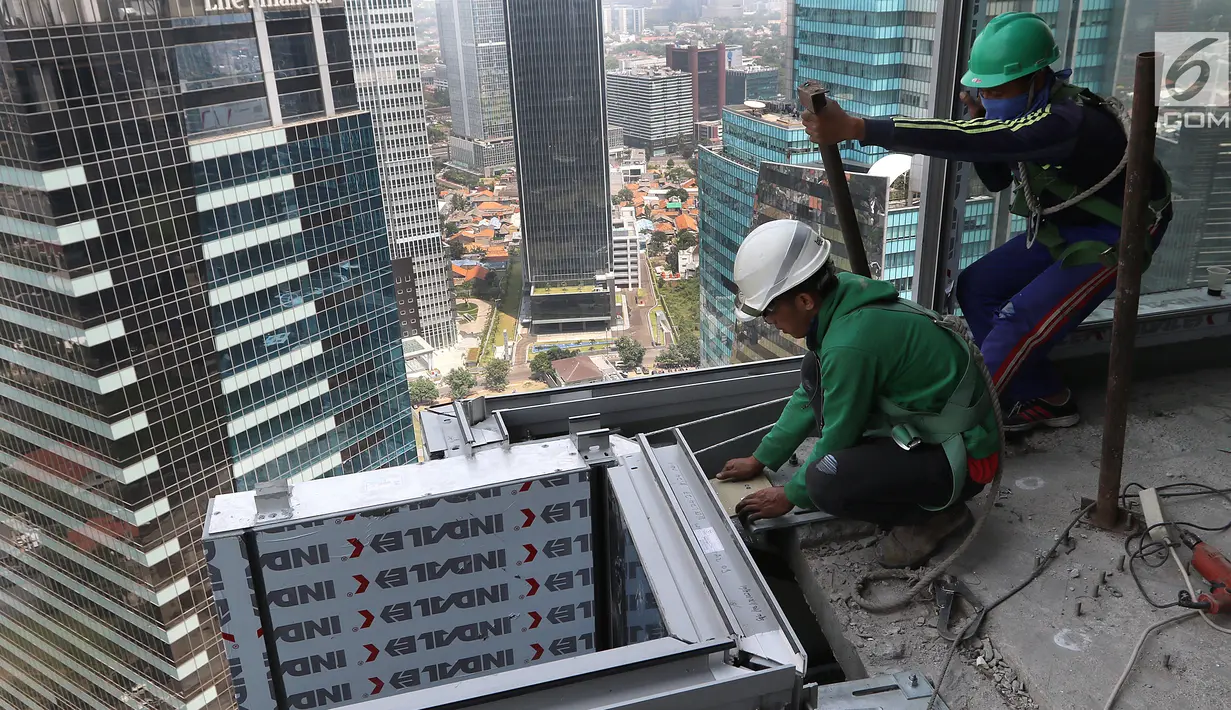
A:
(973, 105)
(832, 126)
(741, 469)
(765, 503)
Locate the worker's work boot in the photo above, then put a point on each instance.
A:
(912, 545)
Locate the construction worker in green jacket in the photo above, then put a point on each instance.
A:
(907, 430)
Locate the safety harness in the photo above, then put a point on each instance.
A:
(966, 409)
(1033, 180)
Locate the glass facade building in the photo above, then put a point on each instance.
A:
(387, 77)
(563, 175)
(195, 296)
(752, 83)
(875, 55)
(727, 184)
(474, 49)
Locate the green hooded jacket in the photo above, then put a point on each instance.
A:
(906, 358)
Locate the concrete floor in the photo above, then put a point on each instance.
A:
(1179, 430)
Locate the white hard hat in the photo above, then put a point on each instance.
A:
(774, 258)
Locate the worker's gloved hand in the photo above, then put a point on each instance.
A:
(973, 105)
(765, 503)
(832, 126)
(741, 469)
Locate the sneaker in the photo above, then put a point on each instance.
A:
(1035, 413)
(912, 545)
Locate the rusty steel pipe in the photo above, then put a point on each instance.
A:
(1134, 229)
(813, 98)
(840, 193)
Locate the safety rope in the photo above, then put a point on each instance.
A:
(924, 581)
(1032, 200)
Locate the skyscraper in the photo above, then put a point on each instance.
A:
(708, 68)
(475, 51)
(727, 183)
(876, 60)
(386, 58)
(195, 296)
(559, 95)
(653, 106)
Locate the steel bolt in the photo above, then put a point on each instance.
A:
(914, 679)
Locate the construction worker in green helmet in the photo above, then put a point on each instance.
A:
(1064, 149)
(907, 428)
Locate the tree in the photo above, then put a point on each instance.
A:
(686, 352)
(541, 369)
(423, 391)
(460, 382)
(657, 244)
(673, 261)
(631, 352)
(465, 289)
(678, 193)
(670, 163)
(490, 288)
(687, 149)
(496, 374)
(451, 228)
(685, 238)
(459, 203)
(689, 350)
(625, 195)
(456, 249)
(435, 134)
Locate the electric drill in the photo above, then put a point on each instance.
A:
(1215, 569)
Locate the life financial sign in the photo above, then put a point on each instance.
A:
(247, 5)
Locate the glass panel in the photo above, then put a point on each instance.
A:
(211, 65)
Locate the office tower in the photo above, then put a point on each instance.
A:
(386, 59)
(558, 92)
(751, 83)
(625, 248)
(475, 52)
(876, 60)
(727, 183)
(623, 19)
(708, 68)
(195, 296)
(653, 106)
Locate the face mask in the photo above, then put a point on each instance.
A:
(1005, 109)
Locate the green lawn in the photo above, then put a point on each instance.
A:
(509, 310)
(468, 309)
(682, 300)
(511, 303)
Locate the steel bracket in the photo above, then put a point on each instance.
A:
(273, 500)
(595, 446)
(908, 690)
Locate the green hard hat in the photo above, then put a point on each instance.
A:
(1011, 46)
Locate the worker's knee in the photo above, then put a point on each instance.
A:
(824, 482)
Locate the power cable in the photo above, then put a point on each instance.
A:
(1038, 570)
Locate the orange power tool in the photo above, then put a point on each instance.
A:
(1215, 569)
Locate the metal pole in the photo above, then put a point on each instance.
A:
(840, 192)
(1133, 234)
